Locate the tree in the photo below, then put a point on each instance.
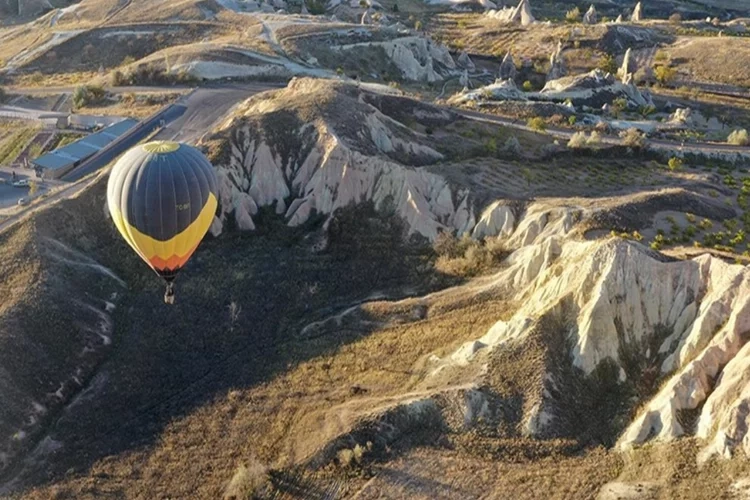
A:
(87, 94)
(675, 18)
(528, 175)
(607, 64)
(363, 4)
(33, 188)
(395, 7)
(739, 138)
(572, 120)
(527, 86)
(418, 25)
(573, 15)
(491, 146)
(674, 164)
(512, 146)
(2, 95)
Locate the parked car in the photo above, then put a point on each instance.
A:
(21, 183)
(23, 201)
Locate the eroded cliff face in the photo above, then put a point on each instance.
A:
(646, 319)
(301, 168)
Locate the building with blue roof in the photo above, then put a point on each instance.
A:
(57, 163)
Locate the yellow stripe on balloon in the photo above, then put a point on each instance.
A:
(178, 248)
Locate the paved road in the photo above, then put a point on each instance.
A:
(205, 107)
(703, 147)
(40, 91)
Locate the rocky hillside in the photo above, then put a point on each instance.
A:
(316, 147)
(391, 291)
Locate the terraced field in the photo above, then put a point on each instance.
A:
(15, 140)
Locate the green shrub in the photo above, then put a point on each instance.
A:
(738, 138)
(527, 86)
(318, 7)
(607, 64)
(249, 482)
(467, 256)
(664, 74)
(573, 15)
(537, 123)
(633, 138)
(578, 140)
(674, 164)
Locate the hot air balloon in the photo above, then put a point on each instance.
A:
(162, 198)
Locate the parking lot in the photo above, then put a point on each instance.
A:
(9, 194)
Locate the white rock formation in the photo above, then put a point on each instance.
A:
(464, 79)
(464, 61)
(709, 362)
(637, 13)
(366, 17)
(689, 118)
(330, 173)
(593, 89)
(507, 68)
(521, 14)
(615, 295)
(619, 19)
(590, 16)
(501, 90)
(415, 56)
(627, 68)
(558, 68)
(496, 220)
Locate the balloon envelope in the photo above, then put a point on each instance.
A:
(162, 198)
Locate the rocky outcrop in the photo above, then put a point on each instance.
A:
(464, 79)
(464, 61)
(707, 352)
(418, 58)
(507, 68)
(590, 17)
(619, 304)
(593, 89)
(627, 68)
(308, 168)
(366, 17)
(688, 118)
(521, 14)
(558, 68)
(637, 13)
(501, 90)
(619, 19)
